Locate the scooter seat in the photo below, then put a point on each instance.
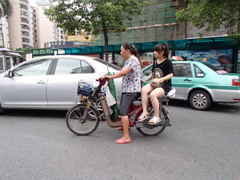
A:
(171, 93)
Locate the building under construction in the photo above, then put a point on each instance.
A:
(157, 23)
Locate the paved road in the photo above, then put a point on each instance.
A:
(201, 145)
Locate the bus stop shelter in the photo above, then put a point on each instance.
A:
(6, 59)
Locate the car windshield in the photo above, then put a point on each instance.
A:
(107, 63)
(214, 68)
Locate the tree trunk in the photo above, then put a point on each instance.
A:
(105, 41)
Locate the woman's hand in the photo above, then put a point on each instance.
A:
(143, 80)
(161, 80)
(156, 81)
(106, 77)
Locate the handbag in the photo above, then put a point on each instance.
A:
(155, 85)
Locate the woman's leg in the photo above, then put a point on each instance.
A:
(144, 97)
(125, 125)
(126, 101)
(158, 92)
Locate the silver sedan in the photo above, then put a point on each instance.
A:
(50, 82)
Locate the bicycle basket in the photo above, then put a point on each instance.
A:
(84, 88)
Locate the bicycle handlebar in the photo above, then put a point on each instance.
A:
(102, 81)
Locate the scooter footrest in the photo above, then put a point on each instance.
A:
(164, 123)
(142, 124)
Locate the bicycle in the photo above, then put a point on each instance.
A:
(83, 119)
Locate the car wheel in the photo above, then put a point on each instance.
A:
(200, 100)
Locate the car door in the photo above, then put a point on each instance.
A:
(27, 85)
(182, 80)
(62, 85)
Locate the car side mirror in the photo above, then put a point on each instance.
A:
(9, 74)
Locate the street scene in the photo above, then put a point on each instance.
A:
(116, 90)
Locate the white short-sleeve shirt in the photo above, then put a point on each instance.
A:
(131, 82)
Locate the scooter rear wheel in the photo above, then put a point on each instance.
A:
(79, 125)
(154, 130)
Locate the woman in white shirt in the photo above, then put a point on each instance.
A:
(131, 86)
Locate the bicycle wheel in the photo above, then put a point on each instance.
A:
(79, 125)
(154, 130)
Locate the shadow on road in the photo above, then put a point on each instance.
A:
(216, 107)
(36, 113)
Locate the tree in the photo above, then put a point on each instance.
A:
(5, 8)
(212, 15)
(23, 52)
(94, 16)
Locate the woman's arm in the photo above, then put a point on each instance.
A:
(165, 78)
(121, 73)
(148, 78)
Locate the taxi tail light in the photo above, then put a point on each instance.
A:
(236, 82)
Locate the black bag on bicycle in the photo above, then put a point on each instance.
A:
(84, 88)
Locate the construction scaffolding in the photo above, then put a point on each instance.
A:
(157, 23)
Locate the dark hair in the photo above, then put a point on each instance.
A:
(133, 50)
(219, 59)
(162, 47)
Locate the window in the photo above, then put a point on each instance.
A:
(107, 64)
(8, 63)
(182, 70)
(33, 68)
(1, 63)
(73, 66)
(147, 71)
(198, 72)
(86, 68)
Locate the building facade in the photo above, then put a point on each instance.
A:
(22, 25)
(28, 26)
(4, 33)
(47, 30)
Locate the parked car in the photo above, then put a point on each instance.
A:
(50, 82)
(202, 84)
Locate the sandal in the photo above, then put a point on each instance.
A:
(142, 117)
(123, 141)
(154, 120)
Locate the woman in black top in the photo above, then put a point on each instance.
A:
(162, 72)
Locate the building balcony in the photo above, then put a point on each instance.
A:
(23, 7)
(25, 35)
(25, 43)
(24, 24)
(25, 40)
(25, 2)
(25, 27)
(23, 14)
(25, 46)
(24, 20)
